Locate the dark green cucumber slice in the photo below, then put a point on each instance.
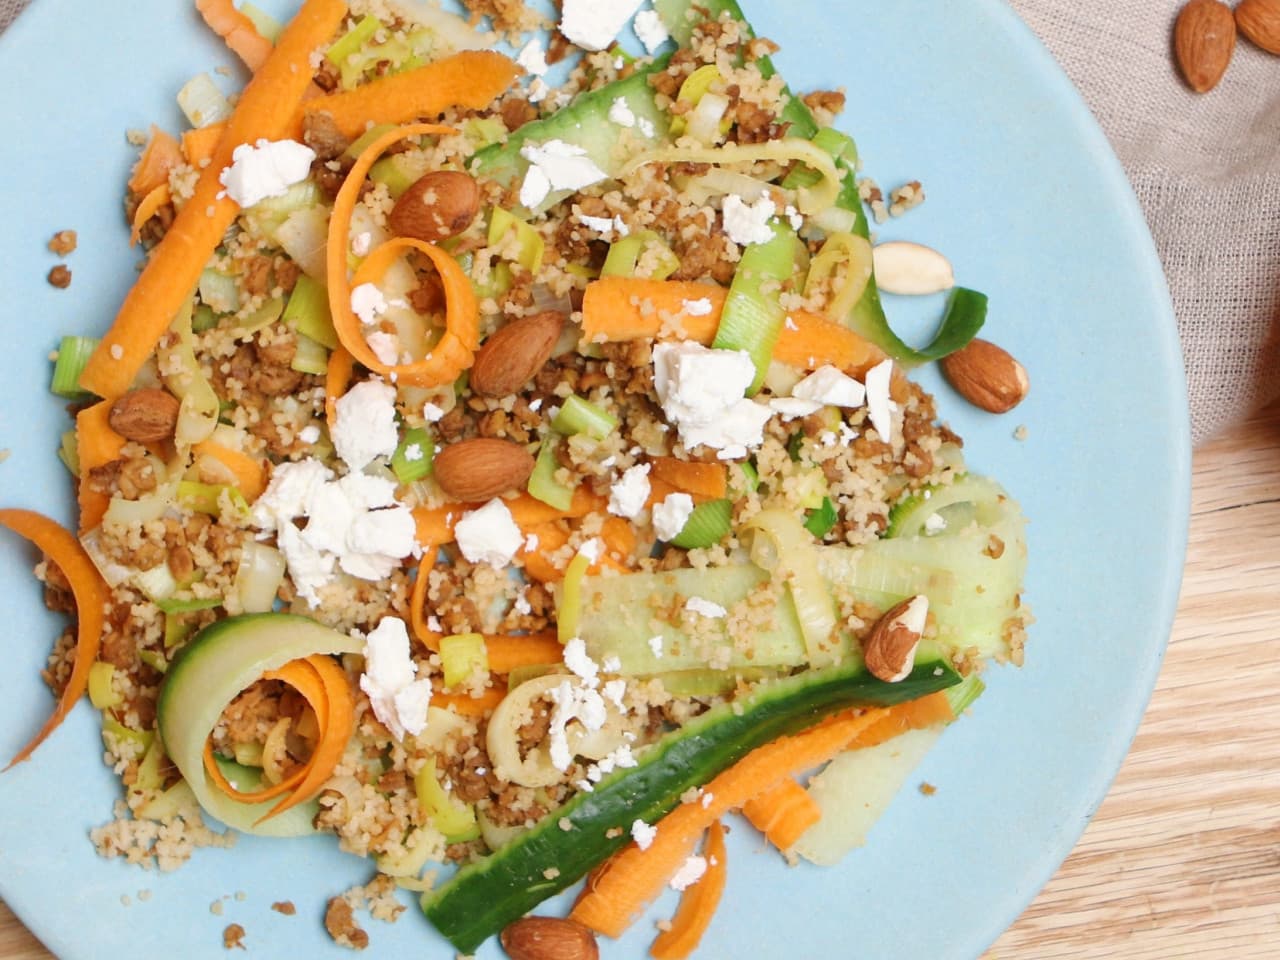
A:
(483, 897)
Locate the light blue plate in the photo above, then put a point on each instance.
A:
(1027, 200)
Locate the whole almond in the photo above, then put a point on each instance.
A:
(513, 355)
(146, 416)
(549, 938)
(1204, 37)
(987, 376)
(890, 647)
(1259, 20)
(437, 206)
(482, 469)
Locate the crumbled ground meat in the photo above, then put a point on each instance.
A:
(60, 277)
(256, 274)
(516, 112)
(829, 102)
(233, 937)
(285, 907)
(321, 133)
(340, 921)
(63, 242)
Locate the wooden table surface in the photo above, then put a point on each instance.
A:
(1183, 857)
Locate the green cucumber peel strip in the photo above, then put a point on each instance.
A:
(483, 897)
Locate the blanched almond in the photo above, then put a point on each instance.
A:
(512, 356)
(437, 206)
(911, 269)
(483, 468)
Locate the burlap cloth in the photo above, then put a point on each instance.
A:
(1206, 170)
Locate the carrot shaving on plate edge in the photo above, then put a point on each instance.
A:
(697, 903)
(91, 595)
(237, 30)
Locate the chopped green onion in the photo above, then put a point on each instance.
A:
(413, 458)
(794, 444)
(309, 357)
(531, 245)
(205, 497)
(203, 318)
(259, 576)
(455, 820)
(177, 628)
(846, 288)
(965, 314)
(839, 145)
(397, 173)
(69, 452)
(123, 734)
(263, 317)
(569, 610)
(307, 312)
(361, 143)
(199, 403)
(263, 22)
(270, 212)
(157, 583)
(820, 520)
(191, 605)
(148, 776)
(154, 659)
(811, 488)
(101, 693)
(963, 694)
(751, 475)
(694, 88)
(542, 482)
(753, 315)
(220, 291)
(202, 102)
(707, 525)
(463, 655)
(73, 354)
(352, 41)
(483, 131)
(582, 416)
(644, 247)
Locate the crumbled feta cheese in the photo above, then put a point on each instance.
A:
(935, 523)
(433, 624)
(748, 223)
(309, 434)
(655, 644)
(607, 227)
(361, 243)
(533, 58)
(521, 603)
(879, 407)
(580, 663)
(792, 408)
(531, 544)
(611, 664)
(707, 798)
(368, 303)
(670, 516)
(398, 698)
(489, 535)
(829, 386)
(556, 165)
(847, 433)
(790, 324)
(614, 691)
(651, 30)
(385, 346)
(594, 24)
(620, 112)
(431, 413)
(697, 308)
(592, 549)
(365, 426)
(793, 217)
(643, 834)
(536, 405)
(701, 391)
(572, 701)
(628, 496)
(413, 453)
(265, 169)
(706, 608)
(690, 872)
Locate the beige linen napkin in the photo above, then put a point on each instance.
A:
(1206, 169)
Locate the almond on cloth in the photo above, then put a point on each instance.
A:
(1204, 38)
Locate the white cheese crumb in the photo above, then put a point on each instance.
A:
(361, 243)
(701, 391)
(697, 308)
(651, 30)
(309, 434)
(431, 413)
(643, 834)
(556, 165)
(620, 112)
(533, 57)
(413, 453)
(935, 523)
(790, 324)
(706, 608)
(655, 644)
(670, 516)
(607, 227)
(433, 624)
(829, 386)
(611, 664)
(792, 408)
(368, 303)
(265, 169)
(614, 691)
(628, 496)
(706, 800)
(398, 698)
(748, 223)
(117, 352)
(690, 872)
(594, 24)
(385, 346)
(536, 405)
(592, 550)
(879, 407)
(531, 543)
(489, 535)
(580, 663)
(365, 427)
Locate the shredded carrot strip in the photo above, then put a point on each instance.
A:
(160, 155)
(265, 110)
(91, 595)
(506, 652)
(697, 904)
(470, 79)
(302, 676)
(200, 143)
(435, 525)
(528, 511)
(466, 706)
(632, 878)
(97, 444)
(537, 562)
(619, 538)
(918, 714)
(336, 378)
(147, 208)
(704, 481)
(783, 812)
(249, 474)
(418, 599)
(241, 36)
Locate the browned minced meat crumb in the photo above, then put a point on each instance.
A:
(322, 134)
(340, 921)
(233, 936)
(63, 242)
(284, 906)
(60, 277)
(928, 789)
(505, 14)
(827, 102)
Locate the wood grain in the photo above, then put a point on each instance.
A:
(1183, 857)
